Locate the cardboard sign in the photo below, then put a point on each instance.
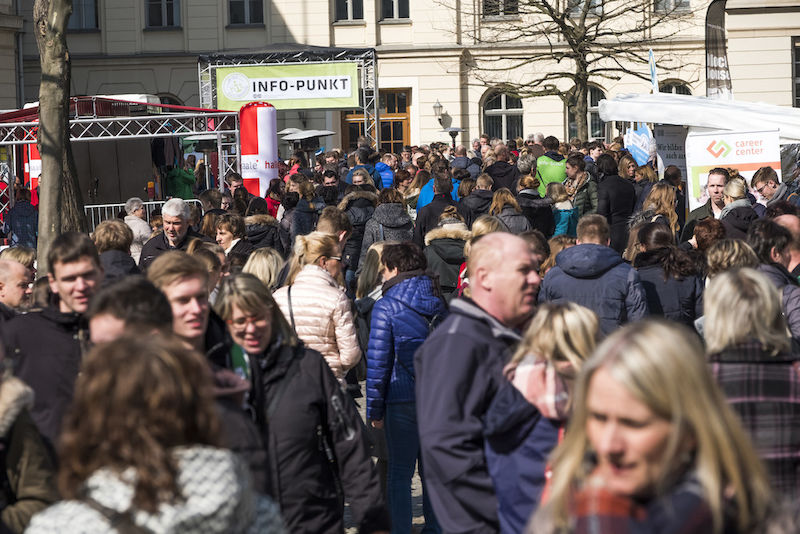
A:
(671, 146)
(744, 151)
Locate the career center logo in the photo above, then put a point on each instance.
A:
(718, 148)
(236, 86)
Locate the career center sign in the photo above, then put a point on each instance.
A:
(289, 86)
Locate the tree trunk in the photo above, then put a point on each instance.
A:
(580, 110)
(60, 203)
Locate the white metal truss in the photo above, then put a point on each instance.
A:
(366, 58)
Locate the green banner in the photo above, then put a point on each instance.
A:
(289, 86)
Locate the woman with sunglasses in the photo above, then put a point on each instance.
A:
(315, 302)
(312, 432)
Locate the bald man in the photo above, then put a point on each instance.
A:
(792, 223)
(15, 281)
(459, 369)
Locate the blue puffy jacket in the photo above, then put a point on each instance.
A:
(400, 323)
(386, 173)
(426, 194)
(596, 276)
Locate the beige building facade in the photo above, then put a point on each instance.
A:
(427, 52)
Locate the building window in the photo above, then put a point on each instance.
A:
(350, 10)
(246, 11)
(796, 63)
(394, 9)
(676, 88)
(502, 116)
(163, 13)
(670, 6)
(500, 8)
(395, 121)
(575, 7)
(84, 15)
(597, 128)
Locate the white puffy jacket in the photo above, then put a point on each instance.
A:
(323, 317)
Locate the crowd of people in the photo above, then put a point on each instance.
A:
(537, 329)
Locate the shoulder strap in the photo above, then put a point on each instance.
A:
(291, 310)
(383, 238)
(122, 522)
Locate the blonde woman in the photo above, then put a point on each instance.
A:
(644, 177)
(565, 214)
(315, 303)
(485, 224)
(749, 351)
(738, 213)
(659, 206)
(626, 167)
(652, 445)
(506, 208)
(557, 244)
(265, 264)
(728, 254)
(543, 369)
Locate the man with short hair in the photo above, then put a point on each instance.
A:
(385, 169)
(362, 162)
(131, 303)
(459, 369)
(768, 185)
(594, 275)
(550, 167)
(47, 346)
(461, 161)
(502, 172)
(594, 150)
(478, 201)
(176, 235)
(717, 179)
(428, 217)
(22, 221)
(15, 287)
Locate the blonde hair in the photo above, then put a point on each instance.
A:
(736, 188)
(364, 174)
(560, 332)
(647, 173)
(502, 198)
(728, 254)
(661, 199)
(624, 163)
(24, 255)
(557, 191)
(309, 249)
(742, 305)
(112, 234)
(265, 264)
(557, 244)
(662, 366)
(485, 224)
(371, 268)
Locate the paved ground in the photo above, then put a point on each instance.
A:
(416, 488)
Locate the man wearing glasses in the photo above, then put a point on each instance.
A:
(766, 182)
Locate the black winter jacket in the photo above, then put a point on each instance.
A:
(243, 247)
(504, 175)
(515, 221)
(616, 200)
(157, 245)
(389, 222)
(738, 221)
(677, 299)
(458, 371)
(315, 441)
(359, 207)
(428, 217)
(46, 347)
(444, 250)
(538, 210)
(474, 205)
(116, 266)
(265, 231)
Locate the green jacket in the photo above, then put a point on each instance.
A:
(585, 199)
(180, 184)
(550, 169)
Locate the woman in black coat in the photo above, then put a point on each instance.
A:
(312, 432)
(616, 199)
(538, 210)
(672, 285)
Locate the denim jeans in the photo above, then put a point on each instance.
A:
(402, 440)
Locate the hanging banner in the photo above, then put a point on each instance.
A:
(258, 140)
(744, 151)
(640, 143)
(653, 74)
(671, 146)
(718, 77)
(289, 86)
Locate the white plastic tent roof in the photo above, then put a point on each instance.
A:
(687, 110)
